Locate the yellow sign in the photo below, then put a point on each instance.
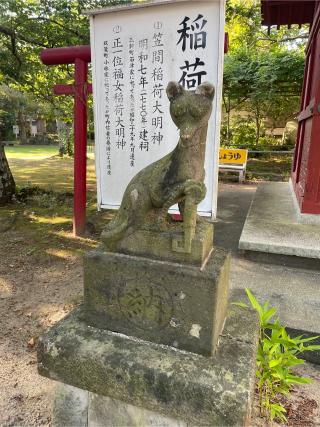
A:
(233, 156)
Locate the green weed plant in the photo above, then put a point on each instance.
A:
(277, 355)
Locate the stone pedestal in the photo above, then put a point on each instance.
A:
(164, 302)
(155, 342)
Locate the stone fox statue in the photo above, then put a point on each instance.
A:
(176, 178)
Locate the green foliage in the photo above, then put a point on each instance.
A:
(7, 120)
(290, 135)
(43, 198)
(278, 354)
(29, 26)
(263, 73)
(242, 133)
(243, 19)
(265, 85)
(16, 108)
(65, 137)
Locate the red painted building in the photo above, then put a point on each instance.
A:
(306, 166)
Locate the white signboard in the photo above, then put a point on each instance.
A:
(136, 51)
(15, 129)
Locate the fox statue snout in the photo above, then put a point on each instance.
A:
(186, 136)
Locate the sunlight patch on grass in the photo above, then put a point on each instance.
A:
(51, 173)
(31, 151)
(61, 253)
(50, 220)
(67, 235)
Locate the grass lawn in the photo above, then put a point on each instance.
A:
(266, 168)
(41, 166)
(31, 151)
(271, 168)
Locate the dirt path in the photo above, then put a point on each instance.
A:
(33, 297)
(40, 282)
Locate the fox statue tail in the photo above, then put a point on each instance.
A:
(114, 232)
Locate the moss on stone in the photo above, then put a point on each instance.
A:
(196, 389)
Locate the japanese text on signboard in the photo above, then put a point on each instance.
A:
(193, 37)
(238, 156)
(135, 80)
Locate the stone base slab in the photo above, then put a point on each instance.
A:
(159, 301)
(70, 406)
(185, 386)
(80, 408)
(272, 225)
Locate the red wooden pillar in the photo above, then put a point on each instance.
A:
(80, 146)
(80, 56)
(306, 167)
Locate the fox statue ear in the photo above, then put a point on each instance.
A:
(173, 90)
(206, 89)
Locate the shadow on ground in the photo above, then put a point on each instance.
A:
(234, 201)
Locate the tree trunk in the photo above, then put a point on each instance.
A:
(228, 123)
(258, 124)
(22, 128)
(7, 184)
(228, 112)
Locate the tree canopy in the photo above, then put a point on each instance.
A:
(263, 72)
(27, 27)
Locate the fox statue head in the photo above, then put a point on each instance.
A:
(190, 110)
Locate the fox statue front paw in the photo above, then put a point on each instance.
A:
(196, 190)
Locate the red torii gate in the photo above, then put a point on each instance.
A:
(80, 56)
